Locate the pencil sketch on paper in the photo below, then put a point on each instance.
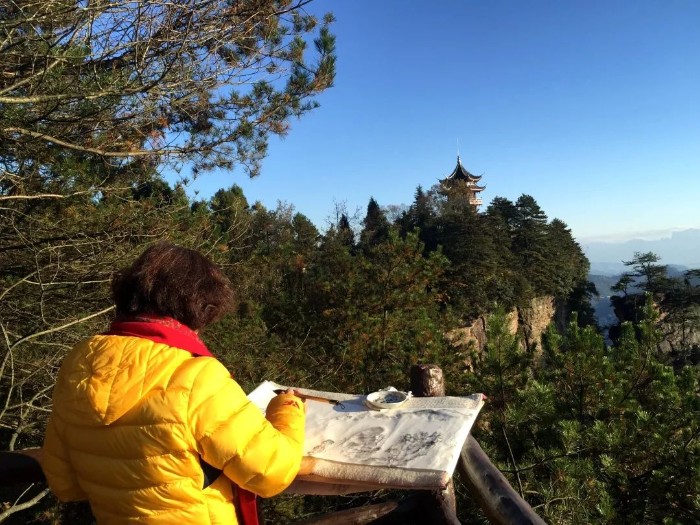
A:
(405, 438)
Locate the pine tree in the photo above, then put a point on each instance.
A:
(472, 279)
(590, 433)
(344, 232)
(681, 303)
(421, 217)
(394, 308)
(530, 244)
(376, 227)
(646, 277)
(231, 213)
(219, 76)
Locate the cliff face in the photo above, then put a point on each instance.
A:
(530, 322)
(680, 338)
(680, 335)
(535, 319)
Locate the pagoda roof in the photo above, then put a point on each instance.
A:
(460, 173)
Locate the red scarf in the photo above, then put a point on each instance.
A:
(165, 330)
(168, 331)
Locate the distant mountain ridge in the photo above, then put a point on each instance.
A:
(681, 248)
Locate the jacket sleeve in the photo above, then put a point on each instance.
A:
(59, 473)
(258, 454)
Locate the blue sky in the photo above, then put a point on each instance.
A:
(592, 107)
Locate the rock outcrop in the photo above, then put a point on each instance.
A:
(529, 322)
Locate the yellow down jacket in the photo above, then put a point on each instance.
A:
(131, 419)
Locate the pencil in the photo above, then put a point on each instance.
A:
(334, 402)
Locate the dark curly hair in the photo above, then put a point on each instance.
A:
(171, 281)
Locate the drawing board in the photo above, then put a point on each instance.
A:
(355, 448)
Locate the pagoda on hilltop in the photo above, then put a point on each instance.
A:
(461, 178)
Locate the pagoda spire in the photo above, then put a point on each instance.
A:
(460, 176)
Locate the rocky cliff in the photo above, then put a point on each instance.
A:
(529, 322)
(682, 339)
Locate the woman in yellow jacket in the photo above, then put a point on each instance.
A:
(148, 426)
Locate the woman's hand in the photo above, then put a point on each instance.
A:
(307, 466)
(294, 393)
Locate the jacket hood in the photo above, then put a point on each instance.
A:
(105, 376)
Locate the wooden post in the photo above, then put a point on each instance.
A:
(500, 503)
(440, 506)
(427, 381)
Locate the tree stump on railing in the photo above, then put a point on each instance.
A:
(439, 505)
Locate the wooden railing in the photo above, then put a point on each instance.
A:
(500, 503)
(20, 467)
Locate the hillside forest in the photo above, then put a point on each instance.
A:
(588, 428)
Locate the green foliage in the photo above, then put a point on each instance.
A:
(376, 227)
(646, 269)
(681, 305)
(229, 212)
(420, 217)
(508, 255)
(678, 298)
(395, 311)
(156, 81)
(595, 434)
(588, 433)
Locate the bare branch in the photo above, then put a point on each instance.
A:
(43, 196)
(23, 506)
(62, 327)
(96, 151)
